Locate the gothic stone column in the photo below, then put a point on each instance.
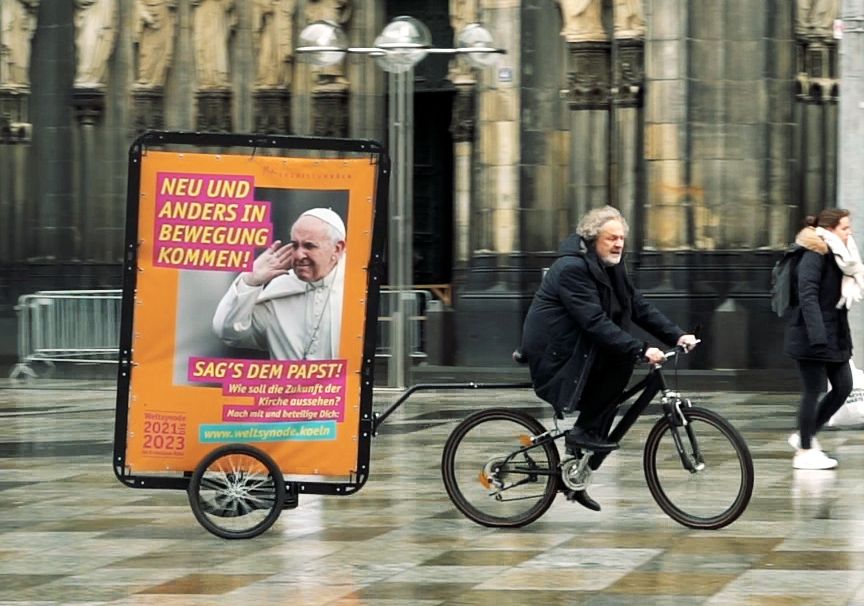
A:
(666, 126)
(488, 301)
(588, 98)
(15, 133)
(627, 142)
(463, 125)
(817, 90)
(89, 106)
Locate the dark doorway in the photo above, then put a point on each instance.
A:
(433, 187)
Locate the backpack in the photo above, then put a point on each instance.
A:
(784, 280)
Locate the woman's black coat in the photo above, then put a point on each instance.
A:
(569, 320)
(816, 329)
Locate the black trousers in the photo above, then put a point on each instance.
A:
(812, 412)
(605, 384)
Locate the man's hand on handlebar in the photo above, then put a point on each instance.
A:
(687, 342)
(654, 356)
(657, 356)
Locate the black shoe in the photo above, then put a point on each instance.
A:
(581, 438)
(581, 497)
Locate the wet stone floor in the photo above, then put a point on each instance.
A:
(70, 533)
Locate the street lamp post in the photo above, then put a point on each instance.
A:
(402, 44)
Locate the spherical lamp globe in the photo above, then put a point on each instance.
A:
(475, 36)
(323, 42)
(404, 42)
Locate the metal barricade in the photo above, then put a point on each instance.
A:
(416, 314)
(80, 326)
(83, 326)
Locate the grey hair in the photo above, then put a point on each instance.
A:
(590, 225)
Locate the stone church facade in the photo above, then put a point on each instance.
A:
(710, 124)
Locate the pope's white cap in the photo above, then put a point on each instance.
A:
(329, 217)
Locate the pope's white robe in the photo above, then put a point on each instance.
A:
(290, 318)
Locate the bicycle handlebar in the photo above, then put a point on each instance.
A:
(520, 359)
(678, 349)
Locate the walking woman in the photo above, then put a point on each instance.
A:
(830, 279)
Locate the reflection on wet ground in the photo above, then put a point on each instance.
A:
(70, 533)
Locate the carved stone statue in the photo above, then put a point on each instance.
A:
(462, 13)
(272, 22)
(213, 23)
(337, 11)
(583, 20)
(18, 20)
(629, 19)
(330, 78)
(816, 15)
(95, 34)
(154, 32)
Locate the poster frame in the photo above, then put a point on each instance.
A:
(228, 143)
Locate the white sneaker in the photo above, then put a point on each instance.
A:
(813, 459)
(795, 442)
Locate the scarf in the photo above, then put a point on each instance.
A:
(849, 261)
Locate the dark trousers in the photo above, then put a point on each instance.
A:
(599, 402)
(812, 412)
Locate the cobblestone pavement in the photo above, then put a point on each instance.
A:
(70, 533)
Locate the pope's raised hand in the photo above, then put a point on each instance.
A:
(273, 262)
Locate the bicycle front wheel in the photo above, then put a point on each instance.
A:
(709, 484)
(494, 473)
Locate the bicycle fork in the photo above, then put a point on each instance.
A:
(672, 403)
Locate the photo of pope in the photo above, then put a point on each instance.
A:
(290, 303)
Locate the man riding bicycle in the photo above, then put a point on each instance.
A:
(576, 337)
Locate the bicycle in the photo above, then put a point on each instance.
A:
(502, 468)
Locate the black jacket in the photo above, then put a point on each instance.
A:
(816, 329)
(569, 322)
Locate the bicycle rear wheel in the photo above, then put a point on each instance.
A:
(494, 475)
(716, 491)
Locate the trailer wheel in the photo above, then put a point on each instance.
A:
(237, 492)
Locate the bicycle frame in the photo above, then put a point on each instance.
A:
(650, 385)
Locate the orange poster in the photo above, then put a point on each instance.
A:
(249, 285)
